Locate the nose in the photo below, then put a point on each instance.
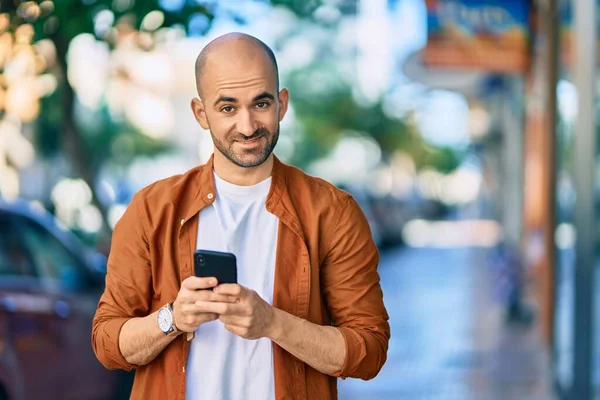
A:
(246, 124)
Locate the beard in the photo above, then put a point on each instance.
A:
(250, 157)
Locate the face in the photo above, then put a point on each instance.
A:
(242, 109)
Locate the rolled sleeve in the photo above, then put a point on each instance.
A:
(127, 292)
(105, 336)
(353, 294)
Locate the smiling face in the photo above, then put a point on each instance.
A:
(240, 104)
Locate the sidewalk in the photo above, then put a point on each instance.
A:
(448, 336)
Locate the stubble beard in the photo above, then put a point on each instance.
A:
(248, 158)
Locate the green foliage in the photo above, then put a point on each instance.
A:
(88, 148)
(67, 19)
(327, 109)
(302, 8)
(305, 9)
(323, 102)
(74, 17)
(47, 137)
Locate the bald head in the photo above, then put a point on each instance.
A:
(234, 48)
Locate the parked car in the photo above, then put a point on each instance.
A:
(50, 284)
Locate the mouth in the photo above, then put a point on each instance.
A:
(249, 143)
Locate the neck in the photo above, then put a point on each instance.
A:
(237, 175)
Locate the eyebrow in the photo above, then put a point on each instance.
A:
(225, 99)
(262, 96)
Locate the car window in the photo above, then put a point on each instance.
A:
(14, 260)
(52, 258)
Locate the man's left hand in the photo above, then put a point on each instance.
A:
(251, 317)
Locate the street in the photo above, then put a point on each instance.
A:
(449, 340)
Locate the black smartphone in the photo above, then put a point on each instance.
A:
(216, 264)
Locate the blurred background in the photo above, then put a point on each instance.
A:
(465, 129)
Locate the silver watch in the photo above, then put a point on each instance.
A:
(166, 322)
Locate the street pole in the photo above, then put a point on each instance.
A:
(584, 12)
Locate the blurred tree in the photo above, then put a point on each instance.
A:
(88, 148)
(108, 20)
(328, 111)
(324, 96)
(324, 114)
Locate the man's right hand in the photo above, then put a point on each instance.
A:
(140, 339)
(186, 316)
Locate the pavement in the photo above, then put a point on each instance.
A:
(449, 336)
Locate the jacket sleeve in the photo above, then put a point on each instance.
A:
(353, 294)
(128, 281)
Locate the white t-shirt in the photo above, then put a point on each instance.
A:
(222, 365)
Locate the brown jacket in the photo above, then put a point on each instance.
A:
(325, 272)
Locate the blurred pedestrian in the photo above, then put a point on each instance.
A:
(510, 282)
(308, 306)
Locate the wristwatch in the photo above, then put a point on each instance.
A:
(166, 322)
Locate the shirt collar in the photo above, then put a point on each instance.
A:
(205, 194)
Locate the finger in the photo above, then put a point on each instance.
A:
(238, 330)
(188, 308)
(209, 295)
(228, 319)
(191, 322)
(235, 320)
(207, 317)
(218, 308)
(232, 289)
(192, 310)
(196, 283)
(211, 307)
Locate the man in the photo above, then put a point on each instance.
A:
(308, 307)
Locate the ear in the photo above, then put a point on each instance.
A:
(199, 112)
(284, 98)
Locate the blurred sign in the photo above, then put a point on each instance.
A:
(567, 35)
(488, 35)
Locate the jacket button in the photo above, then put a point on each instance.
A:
(182, 222)
(210, 196)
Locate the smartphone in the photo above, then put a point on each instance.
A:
(216, 264)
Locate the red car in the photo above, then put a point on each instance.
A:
(49, 288)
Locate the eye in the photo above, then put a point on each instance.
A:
(262, 104)
(227, 109)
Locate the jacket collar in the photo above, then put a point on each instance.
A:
(278, 200)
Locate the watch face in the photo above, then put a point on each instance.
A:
(164, 320)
